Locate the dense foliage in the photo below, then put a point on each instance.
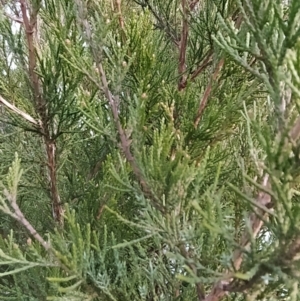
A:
(149, 150)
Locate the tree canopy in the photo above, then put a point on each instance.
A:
(150, 150)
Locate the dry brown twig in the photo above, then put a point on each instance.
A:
(18, 111)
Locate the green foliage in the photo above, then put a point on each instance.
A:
(156, 160)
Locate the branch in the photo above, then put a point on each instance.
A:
(119, 11)
(125, 141)
(40, 103)
(183, 44)
(256, 218)
(121, 19)
(238, 21)
(205, 63)
(256, 222)
(18, 111)
(113, 102)
(19, 216)
(29, 30)
(166, 27)
(13, 18)
(203, 101)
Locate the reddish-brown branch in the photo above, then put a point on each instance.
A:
(40, 105)
(183, 45)
(125, 144)
(206, 62)
(18, 215)
(29, 29)
(203, 65)
(113, 101)
(238, 21)
(56, 203)
(118, 10)
(203, 101)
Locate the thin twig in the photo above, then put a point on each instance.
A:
(192, 266)
(18, 111)
(256, 218)
(13, 18)
(203, 101)
(183, 45)
(237, 22)
(162, 25)
(118, 9)
(113, 102)
(19, 216)
(206, 62)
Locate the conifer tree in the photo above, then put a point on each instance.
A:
(149, 150)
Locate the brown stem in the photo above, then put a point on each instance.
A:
(113, 101)
(121, 19)
(126, 142)
(29, 30)
(238, 21)
(203, 101)
(203, 65)
(41, 108)
(19, 216)
(256, 218)
(56, 203)
(101, 209)
(183, 45)
(206, 62)
(119, 11)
